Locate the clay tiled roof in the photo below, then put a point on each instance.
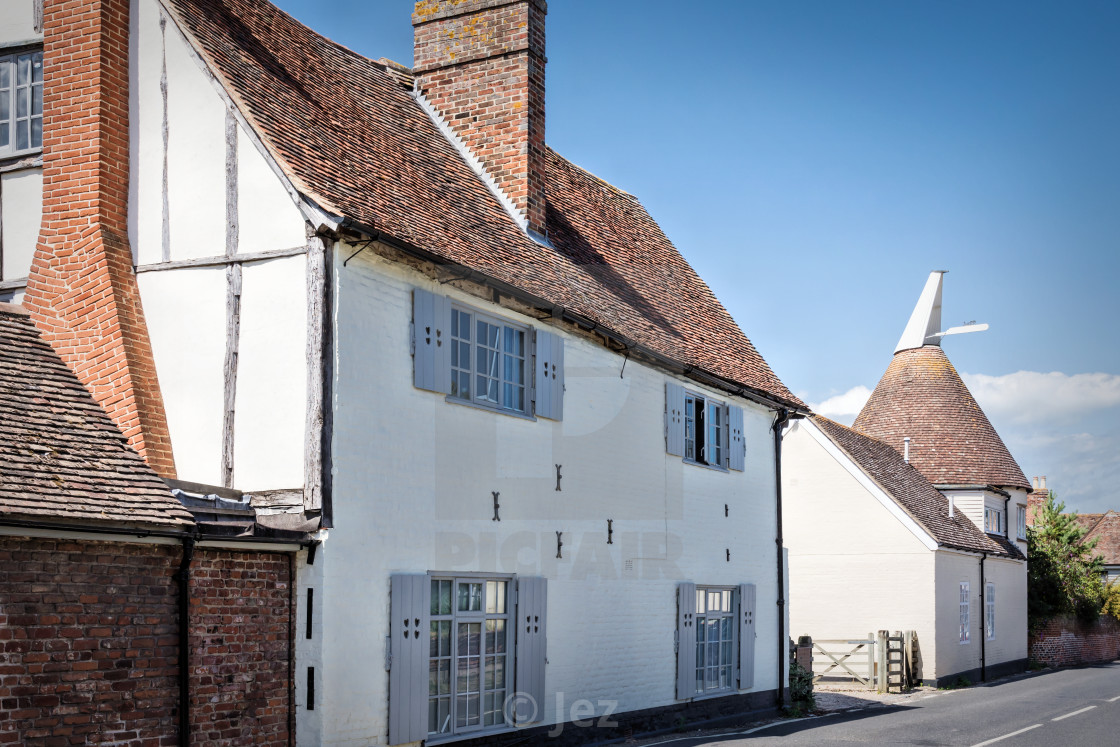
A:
(912, 492)
(350, 136)
(1105, 529)
(951, 441)
(61, 457)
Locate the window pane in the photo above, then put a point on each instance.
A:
(23, 135)
(496, 597)
(5, 75)
(23, 70)
(700, 599)
(23, 99)
(5, 134)
(5, 100)
(470, 597)
(37, 67)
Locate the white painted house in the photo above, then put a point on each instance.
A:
(539, 454)
(900, 522)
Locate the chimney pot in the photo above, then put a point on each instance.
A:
(1042, 482)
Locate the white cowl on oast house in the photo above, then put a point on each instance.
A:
(914, 518)
(538, 454)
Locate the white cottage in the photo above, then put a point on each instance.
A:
(901, 521)
(540, 456)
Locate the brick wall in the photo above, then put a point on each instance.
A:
(480, 63)
(1066, 641)
(81, 290)
(88, 641)
(89, 645)
(240, 653)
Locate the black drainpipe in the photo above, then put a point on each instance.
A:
(184, 579)
(983, 622)
(783, 645)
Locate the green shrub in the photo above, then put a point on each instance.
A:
(801, 687)
(1063, 571)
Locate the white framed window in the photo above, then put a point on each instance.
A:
(990, 611)
(488, 360)
(470, 654)
(21, 102)
(1022, 522)
(716, 639)
(966, 624)
(705, 430)
(479, 358)
(993, 520)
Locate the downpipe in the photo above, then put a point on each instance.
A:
(184, 578)
(783, 645)
(983, 622)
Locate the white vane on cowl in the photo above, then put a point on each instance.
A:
(925, 322)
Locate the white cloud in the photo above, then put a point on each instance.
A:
(1034, 397)
(843, 408)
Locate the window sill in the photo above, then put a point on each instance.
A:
(716, 694)
(485, 408)
(705, 466)
(448, 738)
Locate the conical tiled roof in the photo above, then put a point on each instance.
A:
(951, 440)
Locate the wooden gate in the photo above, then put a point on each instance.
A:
(846, 659)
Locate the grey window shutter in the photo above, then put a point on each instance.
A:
(532, 608)
(746, 636)
(549, 378)
(686, 640)
(410, 599)
(674, 418)
(431, 341)
(737, 445)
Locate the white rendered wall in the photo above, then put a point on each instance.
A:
(854, 567)
(413, 476)
(17, 21)
(186, 308)
(186, 314)
(271, 375)
(145, 117)
(21, 200)
(196, 156)
(267, 217)
(1018, 498)
(196, 182)
(1010, 643)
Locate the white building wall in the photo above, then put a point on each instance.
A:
(186, 308)
(413, 476)
(1010, 643)
(854, 567)
(970, 503)
(17, 21)
(21, 215)
(186, 314)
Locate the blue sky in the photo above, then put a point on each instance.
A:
(815, 160)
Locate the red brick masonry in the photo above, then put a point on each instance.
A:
(1066, 641)
(89, 645)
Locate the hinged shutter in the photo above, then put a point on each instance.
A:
(431, 341)
(532, 603)
(737, 453)
(674, 418)
(410, 597)
(549, 376)
(746, 636)
(686, 640)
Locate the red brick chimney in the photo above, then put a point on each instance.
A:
(480, 64)
(82, 290)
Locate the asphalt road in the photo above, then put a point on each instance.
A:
(1064, 708)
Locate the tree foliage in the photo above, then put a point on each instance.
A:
(1064, 574)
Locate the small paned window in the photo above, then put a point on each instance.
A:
(1022, 522)
(21, 102)
(469, 656)
(993, 521)
(715, 640)
(487, 361)
(705, 430)
(965, 620)
(990, 611)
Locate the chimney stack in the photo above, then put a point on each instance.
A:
(1042, 482)
(1034, 482)
(480, 65)
(81, 290)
